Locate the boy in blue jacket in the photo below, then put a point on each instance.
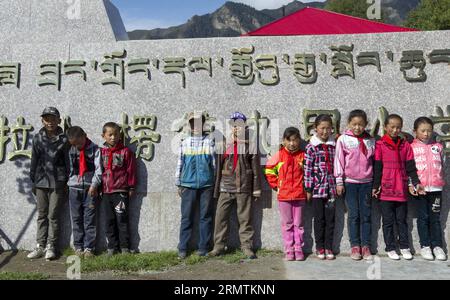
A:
(195, 181)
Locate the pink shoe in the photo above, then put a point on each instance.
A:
(299, 256)
(329, 255)
(289, 256)
(320, 253)
(356, 253)
(367, 255)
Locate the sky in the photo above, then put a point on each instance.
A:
(149, 14)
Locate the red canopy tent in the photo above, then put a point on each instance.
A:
(313, 21)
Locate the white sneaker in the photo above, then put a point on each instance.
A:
(439, 253)
(50, 252)
(406, 253)
(393, 255)
(38, 252)
(426, 253)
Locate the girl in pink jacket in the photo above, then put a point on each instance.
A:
(353, 169)
(429, 158)
(394, 163)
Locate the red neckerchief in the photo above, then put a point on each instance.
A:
(235, 154)
(82, 168)
(387, 139)
(327, 158)
(111, 151)
(362, 145)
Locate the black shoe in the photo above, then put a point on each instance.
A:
(182, 254)
(202, 252)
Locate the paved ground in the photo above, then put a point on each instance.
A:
(266, 268)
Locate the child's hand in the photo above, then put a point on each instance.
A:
(131, 193)
(93, 192)
(275, 189)
(180, 191)
(308, 196)
(412, 190)
(376, 192)
(340, 189)
(420, 190)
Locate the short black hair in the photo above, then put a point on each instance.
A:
(392, 117)
(75, 132)
(323, 118)
(422, 120)
(291, 131)
(111, 125)
(357, 113)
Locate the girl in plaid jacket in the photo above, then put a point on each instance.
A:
(320, 184)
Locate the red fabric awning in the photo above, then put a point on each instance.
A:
(313, 21)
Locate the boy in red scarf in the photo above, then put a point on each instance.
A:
(119, 182)
(85, 176)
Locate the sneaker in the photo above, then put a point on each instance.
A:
(79, 252)
(393, 255)
(426, 253)
(329, 255)
(356, 253)
(406, 253)
(50, 252)
(439, 253)
(88, 253)
(216, 252)
(111, 252)
(366, 253)
(249, 253)
(299, 256)
(202, 252)
(38, 252)
(125, 251)
(320, 253)
(182, 254)
(289, 256)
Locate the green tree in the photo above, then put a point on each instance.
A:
(356, 8)
(430, 15)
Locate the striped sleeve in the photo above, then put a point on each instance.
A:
(310, 157)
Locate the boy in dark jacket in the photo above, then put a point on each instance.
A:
(48, 174)
(119, 183)
(237, 181)
(195, 181)
(85, 178)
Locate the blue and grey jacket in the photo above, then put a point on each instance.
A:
(93, 175)
(196, 162)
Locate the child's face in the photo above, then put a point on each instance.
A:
(394, 127)
(111, 136)
(78, 142)
(196, 126)
(292, 144)
(424, 132)
(324, 130)
(51, 123)
(357, 125)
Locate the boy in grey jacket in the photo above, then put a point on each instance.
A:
(85, 175)
(48, 174)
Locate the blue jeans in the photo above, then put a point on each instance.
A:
(429, 220)
(189, 199)
(359, 203)
(82, 211)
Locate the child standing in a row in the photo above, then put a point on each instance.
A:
(353, 169)
(394, 163)
(320, 184)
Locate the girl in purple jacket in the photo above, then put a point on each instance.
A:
(353, 169)
(394, 163)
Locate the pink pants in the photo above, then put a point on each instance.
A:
(291, 214)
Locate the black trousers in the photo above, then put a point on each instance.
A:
(116, 217)
(395, 213)
(324, 219)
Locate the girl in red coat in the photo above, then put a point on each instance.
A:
(394, 163)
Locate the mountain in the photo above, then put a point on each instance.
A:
(234, 19)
